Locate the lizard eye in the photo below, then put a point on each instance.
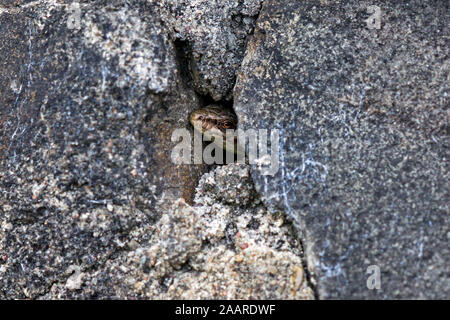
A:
(228, 124)
(200, 118)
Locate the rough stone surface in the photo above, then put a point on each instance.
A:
(363, 118)
(231, 251)
(213, 36)
(213, 250)
(91, 205)
(87, 111)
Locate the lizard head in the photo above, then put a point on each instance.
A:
(213, 118)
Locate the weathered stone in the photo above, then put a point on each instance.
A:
(90, 94)
(220, 250)
(89, 97)
(363, 120)
(212, 250)
(212, 36)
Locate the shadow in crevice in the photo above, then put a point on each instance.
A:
(184, 60)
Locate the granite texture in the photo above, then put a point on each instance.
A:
(222, 248)
(87, 111)
(215, 249)
(92, 207)
(363, 119)
(212, 34)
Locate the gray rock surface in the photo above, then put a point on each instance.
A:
(212, 250)
(89, 102)
(91, 205)
(363, 119)
(219, 249)
(212, 35)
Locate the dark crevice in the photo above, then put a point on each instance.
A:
(298, 234)
(309, 277)
(182, 51)
(183, 56)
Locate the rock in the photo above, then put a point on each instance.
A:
(220, 249)
(205, 252)
(363, 121)
(75, 281)
(177, 238)
(232, 185)
(91, 95)
(212, 36)
(91, 205)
